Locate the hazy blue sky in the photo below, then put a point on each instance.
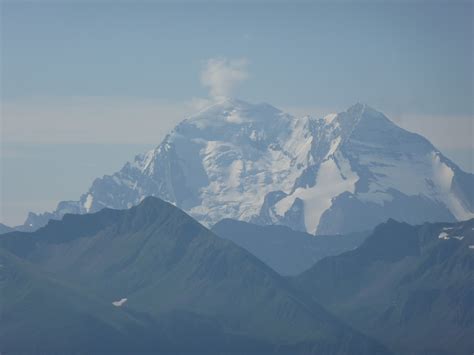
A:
(86, 85)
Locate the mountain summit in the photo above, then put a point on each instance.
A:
(253, 162)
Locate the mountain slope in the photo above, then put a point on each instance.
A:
(286, 251)
(36, 309)
(154, 260)
(411, 287)
(257, 164)
(43, 315)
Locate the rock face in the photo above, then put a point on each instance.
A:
(254, 163)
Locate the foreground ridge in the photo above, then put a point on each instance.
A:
(155, 280)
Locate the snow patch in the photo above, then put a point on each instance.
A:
(253, 136)
(471, 246)
(235, 171)
(120, 302)
(331, 181)
(334, 145)
(443, 235)
(330, 118)
(443, 177)
(88, 202)
(235, 117)
(148, 162)
(446, 236)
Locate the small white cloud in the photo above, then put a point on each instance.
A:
(222, 75)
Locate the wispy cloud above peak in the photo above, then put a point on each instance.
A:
(222, 75)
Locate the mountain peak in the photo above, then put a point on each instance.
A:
(227, 101)
(223, 103)
(152, 210)
(360, 110)
(358, 107)
(152, 202)
(236, 111)
(363, 116)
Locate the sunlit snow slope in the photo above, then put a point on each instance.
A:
(341, 173)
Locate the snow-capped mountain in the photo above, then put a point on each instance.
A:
(341, 173)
